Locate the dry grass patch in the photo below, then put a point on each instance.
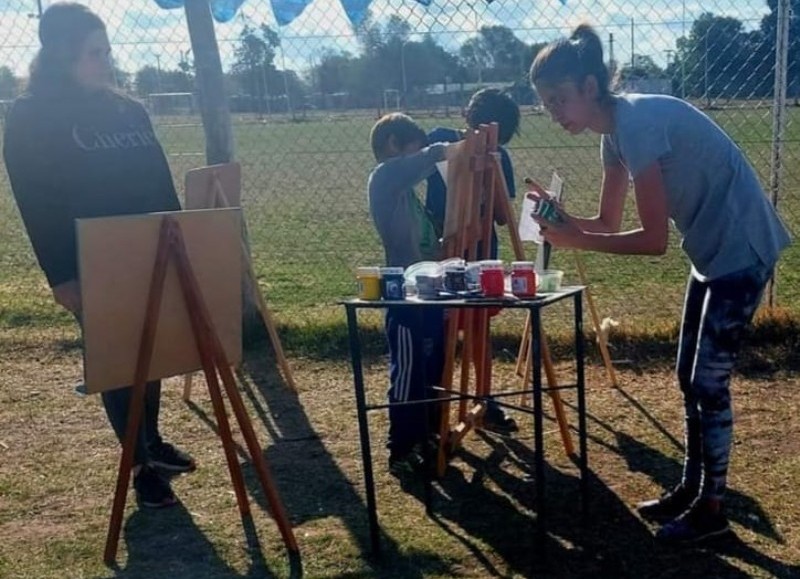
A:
(58, 462)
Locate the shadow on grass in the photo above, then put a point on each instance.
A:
(772, 346)
(310, 483)
(496, 509)
(492, 509)
(740, 508)
(167, 543)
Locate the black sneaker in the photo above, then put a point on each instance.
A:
(496, 420)
(165, 456)
(695, 525)
(408, 462)
(153, 491)
(670, 506)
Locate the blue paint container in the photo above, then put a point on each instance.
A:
(392, 280)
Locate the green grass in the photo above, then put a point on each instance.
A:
(305, 203)
(305, 200)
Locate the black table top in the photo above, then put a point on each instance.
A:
(509, 301)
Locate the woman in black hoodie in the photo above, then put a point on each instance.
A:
(74, 148)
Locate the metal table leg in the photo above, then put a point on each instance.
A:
(363, 427)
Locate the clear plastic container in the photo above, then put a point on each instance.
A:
(549, 280)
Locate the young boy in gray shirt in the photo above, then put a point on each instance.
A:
(416, 338)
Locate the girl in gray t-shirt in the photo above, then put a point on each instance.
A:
(684, 168)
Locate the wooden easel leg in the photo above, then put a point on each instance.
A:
(269, 322)
(234, 468)
(187, 386)
(467, 360)
(257, 456)
(524, 348)
(194, 301)
(124, 473)
(144, 358)
(602, 342)
(558, 404)
(451, 337)
(555, 395)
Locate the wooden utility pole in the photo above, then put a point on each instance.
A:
(216, 115)
(210, 83)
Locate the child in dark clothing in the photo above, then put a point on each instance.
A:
(408, 235)
(488, 105)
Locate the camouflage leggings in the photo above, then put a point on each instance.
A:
(714, 317)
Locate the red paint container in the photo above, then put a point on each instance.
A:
(492, 280)
(523, 279)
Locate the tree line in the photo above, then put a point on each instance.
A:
(718, 58)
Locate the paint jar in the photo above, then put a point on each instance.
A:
(492, 278)
(392, 283)
(428, 286)
(473, 275)
(455, 278)
(369, 283)
(523, 279)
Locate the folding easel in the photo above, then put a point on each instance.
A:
(476, 189)
(171, 247)
(216, 196)
(523, 361)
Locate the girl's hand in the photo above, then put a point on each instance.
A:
(565, 233)
(537, 192)
(68, 296)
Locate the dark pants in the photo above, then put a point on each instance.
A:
(117, 404)
(416, 360)
(714, 317)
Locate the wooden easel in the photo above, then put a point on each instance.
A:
(217, 198)
(213, 360)
(523, 359)
(476, 190)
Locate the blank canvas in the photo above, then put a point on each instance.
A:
(116, 260)
(200, 189)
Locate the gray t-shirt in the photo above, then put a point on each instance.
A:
(713, 194)
(405, 227)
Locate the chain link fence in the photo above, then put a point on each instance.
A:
(304, 90)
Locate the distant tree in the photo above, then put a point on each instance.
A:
(9, 83)
(335, 72)
(147, 81)
(122, 79)
(150, 80)
(769, 32)
(253, 71)
(496, 54)
(715, 57)
(643, 67)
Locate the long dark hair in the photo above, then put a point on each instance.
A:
(573, 59)
(63, 29)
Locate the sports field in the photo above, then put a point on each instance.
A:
(305, 204)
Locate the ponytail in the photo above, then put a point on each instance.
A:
(573, 59)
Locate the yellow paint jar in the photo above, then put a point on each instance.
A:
(369, 283)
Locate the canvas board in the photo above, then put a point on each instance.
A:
(200, 190)
(528, 228)
(116, 258)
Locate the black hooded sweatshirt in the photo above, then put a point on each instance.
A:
(76, 156)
